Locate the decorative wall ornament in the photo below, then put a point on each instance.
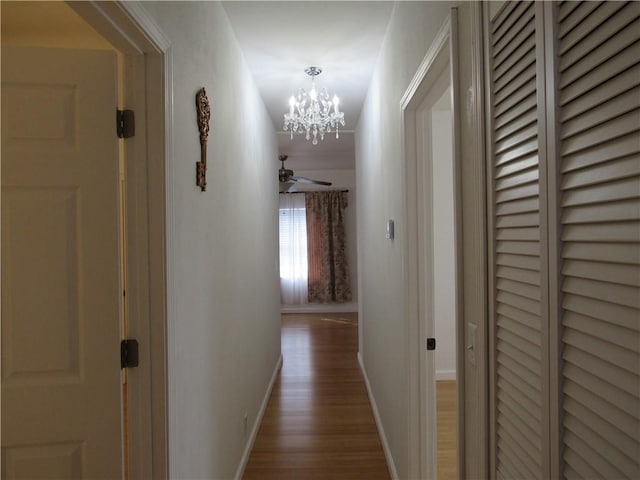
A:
(204, 114)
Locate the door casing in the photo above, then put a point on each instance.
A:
(422, 439)
(147, 86)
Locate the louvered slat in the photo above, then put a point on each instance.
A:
(621, 295)
(597, 465)
(518, 315)
(582, 404)
(504, 18)
(524, 428)
(512, 441)
(518, 261)
(594, 402)
(521, 164)
(521, 108)
(512, 382)
(609, 49)
(602, 172)
(620, 147)
(605, 72)
(522, 58)
(624, 189)
(599, 94)
(591, 435)
(613, 15)
(627, 405)
(516, 239)
(512, 127)
(506, 220)
(620, 274)
(518, 397)
(614, 232)
(566, 7)
(623, 103)
(518, 234)
(605, 311)
(599, 133)
(602, 371)
(617, 127)
(583, 10)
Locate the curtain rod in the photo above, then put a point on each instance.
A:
(314, 191)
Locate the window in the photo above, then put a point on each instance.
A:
(293, 249)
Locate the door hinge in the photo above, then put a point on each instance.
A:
(125, 123)
(431, 343)
(128, 353)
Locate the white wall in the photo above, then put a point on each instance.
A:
(341, 180)
(379, 174)
(443, 242)
(224, 335)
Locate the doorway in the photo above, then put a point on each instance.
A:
(432, 263)
(124, 28)
(434, 127)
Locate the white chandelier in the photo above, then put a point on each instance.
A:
(312, 113)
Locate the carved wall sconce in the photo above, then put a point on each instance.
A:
(204, 114)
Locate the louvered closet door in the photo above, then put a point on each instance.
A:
(516, 249)
(598, 98)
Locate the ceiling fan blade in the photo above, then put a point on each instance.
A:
(286, 186)
(310, 180)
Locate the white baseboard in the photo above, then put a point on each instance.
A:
(445, 375)
(376, 415)
(256, 424)
(320, 308)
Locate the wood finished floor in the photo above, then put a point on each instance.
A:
(318, 423)
(447, 432)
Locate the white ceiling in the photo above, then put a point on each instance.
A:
(330, 154)
(280, 39)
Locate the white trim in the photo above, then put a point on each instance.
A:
(158, 58)
(170, 249)
(131, 30)
(376, 415)
(148, 27)
(256, 425)
(422, 454)
(442, 37)
(350, 307)
(445, 375)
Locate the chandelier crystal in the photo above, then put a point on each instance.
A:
(313, 112)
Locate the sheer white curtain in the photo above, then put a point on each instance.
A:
(293, 249)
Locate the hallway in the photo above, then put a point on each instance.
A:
(318, 423)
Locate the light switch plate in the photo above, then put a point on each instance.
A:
(472, 331)
(389, 229)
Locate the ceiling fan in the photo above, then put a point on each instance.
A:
(288, 179)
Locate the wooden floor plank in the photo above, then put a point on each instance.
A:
(318, 423)
(446, 425)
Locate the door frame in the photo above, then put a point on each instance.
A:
(148, 91)
(422, 453)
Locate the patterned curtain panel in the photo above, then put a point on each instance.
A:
(328, 273)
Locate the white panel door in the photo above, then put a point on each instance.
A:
(61, 398)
